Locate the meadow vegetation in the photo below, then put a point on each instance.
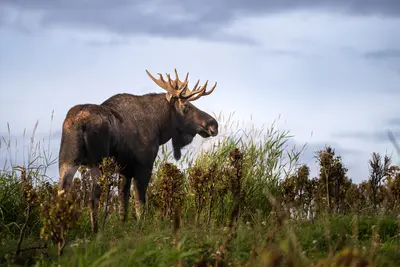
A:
(245, 200)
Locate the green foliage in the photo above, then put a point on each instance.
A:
(59, 212)
(333, 179)
(107, 179)
(10, 203)
(167, 190)
(246, 200)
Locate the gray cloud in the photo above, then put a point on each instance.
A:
(111, 42)
(283, 53)
(312, 148)
(383, 54)
(393, 122)
(374, 136)
(180, 19)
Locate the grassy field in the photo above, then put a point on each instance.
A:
(246, 200)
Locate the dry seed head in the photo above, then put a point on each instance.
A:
(58, 214)
(167, 190)
(29, 193)
(108, 178)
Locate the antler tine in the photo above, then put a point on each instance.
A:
(197, 92)
(158, 82)
(211, 90)
(178, 88)
(166, 85)
(195, 86)
(183, 86)
(179, 82)
(170, 81)
(202, 92)
(176, 75)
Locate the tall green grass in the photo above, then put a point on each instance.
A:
(225, 204)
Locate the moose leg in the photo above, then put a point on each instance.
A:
(94, 198)
(124, 197)
(141, 181)
(137, 202)
(67, 172)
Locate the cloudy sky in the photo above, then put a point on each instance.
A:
(330, 70)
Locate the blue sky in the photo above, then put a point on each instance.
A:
(331, 69)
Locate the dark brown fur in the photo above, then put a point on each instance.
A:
(129, 128)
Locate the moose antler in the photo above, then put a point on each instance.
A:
(178, 88)
(191, 95)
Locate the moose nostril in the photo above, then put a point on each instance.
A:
(209, 124)
(213, 127)
(212, 123)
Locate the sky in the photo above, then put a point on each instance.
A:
(329, 70)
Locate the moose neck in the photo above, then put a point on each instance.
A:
(167, 122)
(168, 128)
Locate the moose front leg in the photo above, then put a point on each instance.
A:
(141, 181)
(124, 193)
(67, 172)
(94, 198)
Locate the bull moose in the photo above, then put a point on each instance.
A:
(130, 128)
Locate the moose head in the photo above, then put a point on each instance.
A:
(187, 118)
